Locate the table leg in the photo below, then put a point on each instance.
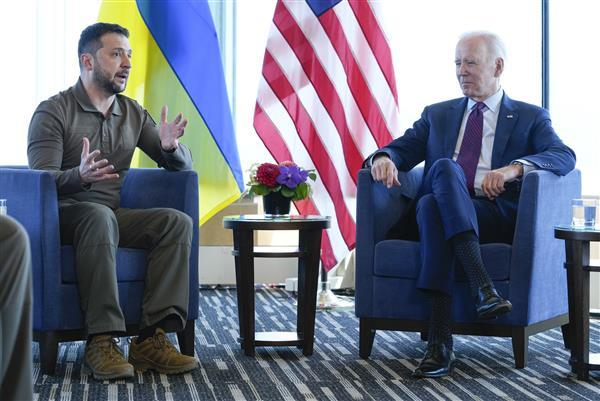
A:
(308, 278)
(244, 277)
(577, 254)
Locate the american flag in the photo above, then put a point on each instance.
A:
(326, 100)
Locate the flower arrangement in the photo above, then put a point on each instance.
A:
(286, 177)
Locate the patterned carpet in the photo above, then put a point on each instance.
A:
(333, 372)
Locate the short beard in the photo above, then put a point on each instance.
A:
(104, 83)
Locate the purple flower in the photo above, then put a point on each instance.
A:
(291, 176)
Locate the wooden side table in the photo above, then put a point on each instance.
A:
(577, 243)
(310, 229)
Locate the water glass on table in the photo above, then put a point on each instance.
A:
(584, 212)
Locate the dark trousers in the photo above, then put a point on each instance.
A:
(445, 209)
(96, 231)
(15, 312)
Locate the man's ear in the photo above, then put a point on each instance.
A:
(87, 61)
(499, 67)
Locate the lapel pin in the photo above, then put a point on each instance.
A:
(509, 116)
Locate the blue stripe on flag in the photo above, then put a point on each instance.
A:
(185, 33)
(321, 6)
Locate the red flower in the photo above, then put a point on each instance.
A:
(267, 173)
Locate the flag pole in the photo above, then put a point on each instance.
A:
(326, 299)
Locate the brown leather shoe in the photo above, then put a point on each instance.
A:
(157, 353)
(105, 359)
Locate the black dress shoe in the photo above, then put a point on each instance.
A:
(489, 304)
(437, 362)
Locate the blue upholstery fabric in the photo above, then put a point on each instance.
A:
(32, 200)
(530, 272)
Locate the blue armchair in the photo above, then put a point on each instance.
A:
(57, 317)
(530, 272)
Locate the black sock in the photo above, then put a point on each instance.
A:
(440, 330)
(145, 333)
(468, 252)
(170, 323)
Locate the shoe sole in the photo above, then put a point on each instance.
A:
(495, 312)
(108, 376)
(435, 375)
(142, 366)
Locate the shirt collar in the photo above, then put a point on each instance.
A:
(492, 102)
(86, 104)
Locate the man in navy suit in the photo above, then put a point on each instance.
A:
(476, 150)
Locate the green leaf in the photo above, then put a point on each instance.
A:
(302, 191)
(312, 175)
(260, 189)
(288, 193)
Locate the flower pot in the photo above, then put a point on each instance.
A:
(276, 204)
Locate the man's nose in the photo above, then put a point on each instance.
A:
(126, 61)
(462, 69)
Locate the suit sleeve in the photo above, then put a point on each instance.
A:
(549, 151)
(410, 149)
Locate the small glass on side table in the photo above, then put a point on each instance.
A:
(577, 246)
(310, 229)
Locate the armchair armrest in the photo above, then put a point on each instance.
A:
(537, 257)
(33, 201)
(377, 210)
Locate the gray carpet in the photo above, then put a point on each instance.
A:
(334, 372)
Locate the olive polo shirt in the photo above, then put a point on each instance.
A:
(56, 136)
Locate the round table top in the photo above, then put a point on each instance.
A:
(269, 222)
(581, 234)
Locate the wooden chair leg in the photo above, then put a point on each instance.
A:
(566, 333)
(48, 352)
(367, 336)
(424, 336)
(520, 343)
(186, 338)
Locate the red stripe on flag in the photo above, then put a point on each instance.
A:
(321, 83)
(268, 133)
(367, 105)
(312, 142)
(372, 31)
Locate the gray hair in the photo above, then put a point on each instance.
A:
(494, 44)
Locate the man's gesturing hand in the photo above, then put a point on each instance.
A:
(91, 170)
(170, 132)
(493, 182)
(384, 171)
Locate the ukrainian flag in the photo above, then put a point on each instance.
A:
(176, 61)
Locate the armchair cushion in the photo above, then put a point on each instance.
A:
(388, 253)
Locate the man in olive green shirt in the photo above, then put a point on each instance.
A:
(86, 137)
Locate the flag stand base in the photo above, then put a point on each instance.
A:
(326, 299)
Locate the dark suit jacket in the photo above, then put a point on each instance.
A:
(524, 131)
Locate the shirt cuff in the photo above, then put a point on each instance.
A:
(527, 166)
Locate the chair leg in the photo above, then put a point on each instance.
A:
(424, 336)
(566, 333)
(48, 352)
(186, 338)
(520, 343)
(367, 336)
